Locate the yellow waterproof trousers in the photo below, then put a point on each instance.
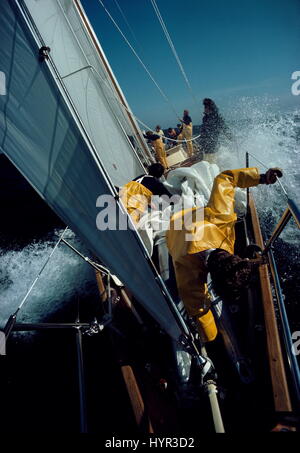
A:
(190, 278)
(160, 152)
(194, 230)
(187, 134)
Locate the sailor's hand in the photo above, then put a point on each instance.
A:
(270, 177)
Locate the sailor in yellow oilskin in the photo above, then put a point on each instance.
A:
(159, 147)
(137, 195)
(205, 244)
(187, 132)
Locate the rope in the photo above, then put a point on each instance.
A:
(181, 141)
(97, 267)
(254, 157)
(163, 25)
(139, 59)
(108, 84)
(40, 272)
(115, 98)
(264, 165)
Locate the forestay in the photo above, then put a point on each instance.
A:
(42, 136)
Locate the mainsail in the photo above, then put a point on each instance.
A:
(67, 143)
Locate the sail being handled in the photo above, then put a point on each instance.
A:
(47, 140)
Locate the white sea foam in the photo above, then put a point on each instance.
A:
(275, 140)
(64, 276)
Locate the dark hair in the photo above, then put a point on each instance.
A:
(230, 274)
(210, 103)
(156, 170)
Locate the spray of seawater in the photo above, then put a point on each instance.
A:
(272, 139)
(64, 276)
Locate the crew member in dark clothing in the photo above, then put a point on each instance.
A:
(171, 133)
(187, 120)
(137, 194)
(212, 125)
(178, 129)
(152, 182)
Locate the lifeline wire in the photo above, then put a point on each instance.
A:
(140, 60)
(163, 25)
(41, 270)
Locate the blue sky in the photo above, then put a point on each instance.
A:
(229, 50)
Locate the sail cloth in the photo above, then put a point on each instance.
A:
(194, 185)
(92, 90)
(194, 181)
(40, 135)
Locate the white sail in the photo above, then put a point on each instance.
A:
(42, 135)
(89, 84)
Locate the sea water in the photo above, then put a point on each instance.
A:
(273, 138)
(39, 372)
(26, 243)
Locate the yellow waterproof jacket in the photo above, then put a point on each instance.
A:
(136, 198)
(198, 229)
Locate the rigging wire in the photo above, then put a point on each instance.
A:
(108, 84)
(171, 44)
(88, 260)
(115, 98)
(41, 270)
(128, 25)
(140, 60)
(264, 165)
